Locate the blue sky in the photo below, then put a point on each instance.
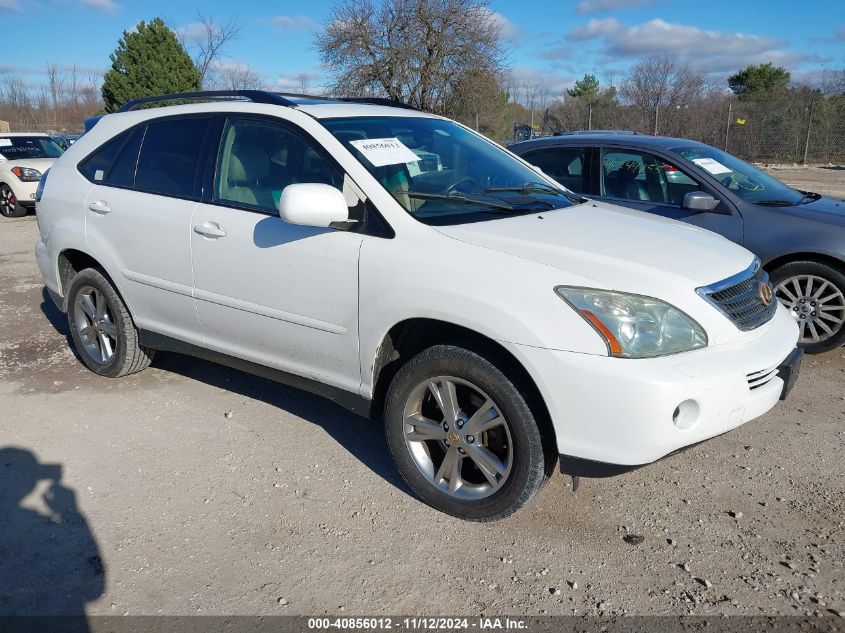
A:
(553, 40)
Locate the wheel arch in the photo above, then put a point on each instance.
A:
(803, 256)
(410, 336)
(71, 261)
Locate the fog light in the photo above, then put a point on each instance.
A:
(686, 414)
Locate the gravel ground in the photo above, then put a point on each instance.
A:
(193, 489)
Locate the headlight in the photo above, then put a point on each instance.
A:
(26, 174)
(635, 326)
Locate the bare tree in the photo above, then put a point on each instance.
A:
(660, 81)
(206, 39)
(409, 50)
(233, 77)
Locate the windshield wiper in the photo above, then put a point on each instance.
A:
(774, 203)
(530, 187)
(460, 198)
(809, 196)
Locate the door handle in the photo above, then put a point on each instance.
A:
(100, 206)
(209, 229)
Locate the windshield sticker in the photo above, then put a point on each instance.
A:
(385, 151)
(5, 142)
(712, 165)
(98, 175)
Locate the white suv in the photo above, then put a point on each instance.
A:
(23, 158)
(408, 268)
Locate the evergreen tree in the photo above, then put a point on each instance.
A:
(148, 61)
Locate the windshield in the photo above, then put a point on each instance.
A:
(442, 173)
(748, 182)
(14, 147)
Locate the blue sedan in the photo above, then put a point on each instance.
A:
(798, 235)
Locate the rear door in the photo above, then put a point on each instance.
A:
(647, 181)
(274, 293)
(138, 216)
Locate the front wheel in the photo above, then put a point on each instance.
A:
(463, 436)
(814, 293)
(9, 205)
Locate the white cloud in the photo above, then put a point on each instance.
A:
(106, 6)
(307, 82)
(192, 32)
(708, 50)
(598, 6)
(291, 22)
(595, 28)
(506, 27)
(10, 5)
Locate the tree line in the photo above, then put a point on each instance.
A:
(450, 57)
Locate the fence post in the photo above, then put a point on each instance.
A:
(809, 126)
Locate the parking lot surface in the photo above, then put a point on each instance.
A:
(194, 489)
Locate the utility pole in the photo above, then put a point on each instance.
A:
(656, 115)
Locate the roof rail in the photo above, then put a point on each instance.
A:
(369, 100)
(256, 96)
(378, 101)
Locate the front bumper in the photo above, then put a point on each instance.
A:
(625, 413)
(25, 193)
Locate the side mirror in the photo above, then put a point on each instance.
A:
(699, 201)
(313, 204)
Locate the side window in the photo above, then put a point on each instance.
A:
(257, 159)
(95, 166)
(122, 171)
(564, 164)
(169, 160)
(634, 175)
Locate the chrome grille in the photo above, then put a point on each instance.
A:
(738, 298)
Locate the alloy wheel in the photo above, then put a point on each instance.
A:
(94, 322)
(458, 437)
(8, 202)
(815, 303)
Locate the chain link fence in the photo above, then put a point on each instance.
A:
(805, 128)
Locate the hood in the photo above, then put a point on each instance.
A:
(616, 248)
(822, 210)
(41, 164)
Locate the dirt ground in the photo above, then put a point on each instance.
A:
(828, 180)
(193, 489)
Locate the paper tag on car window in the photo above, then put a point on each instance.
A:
(5, 142)
(385, 151)
(712, 165)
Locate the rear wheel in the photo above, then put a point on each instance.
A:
(814, 293)
(9, 205)
(463, 436)
(101, 328)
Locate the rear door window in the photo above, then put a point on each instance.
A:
(567, 165)
(169, 163)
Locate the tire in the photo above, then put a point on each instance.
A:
(822, 308)
(524, 455)
(9, 205)
(102, 329)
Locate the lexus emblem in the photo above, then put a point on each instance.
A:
(764, 291)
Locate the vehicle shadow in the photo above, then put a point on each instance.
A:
(50, 563)
(57, 319)
(363, 438)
